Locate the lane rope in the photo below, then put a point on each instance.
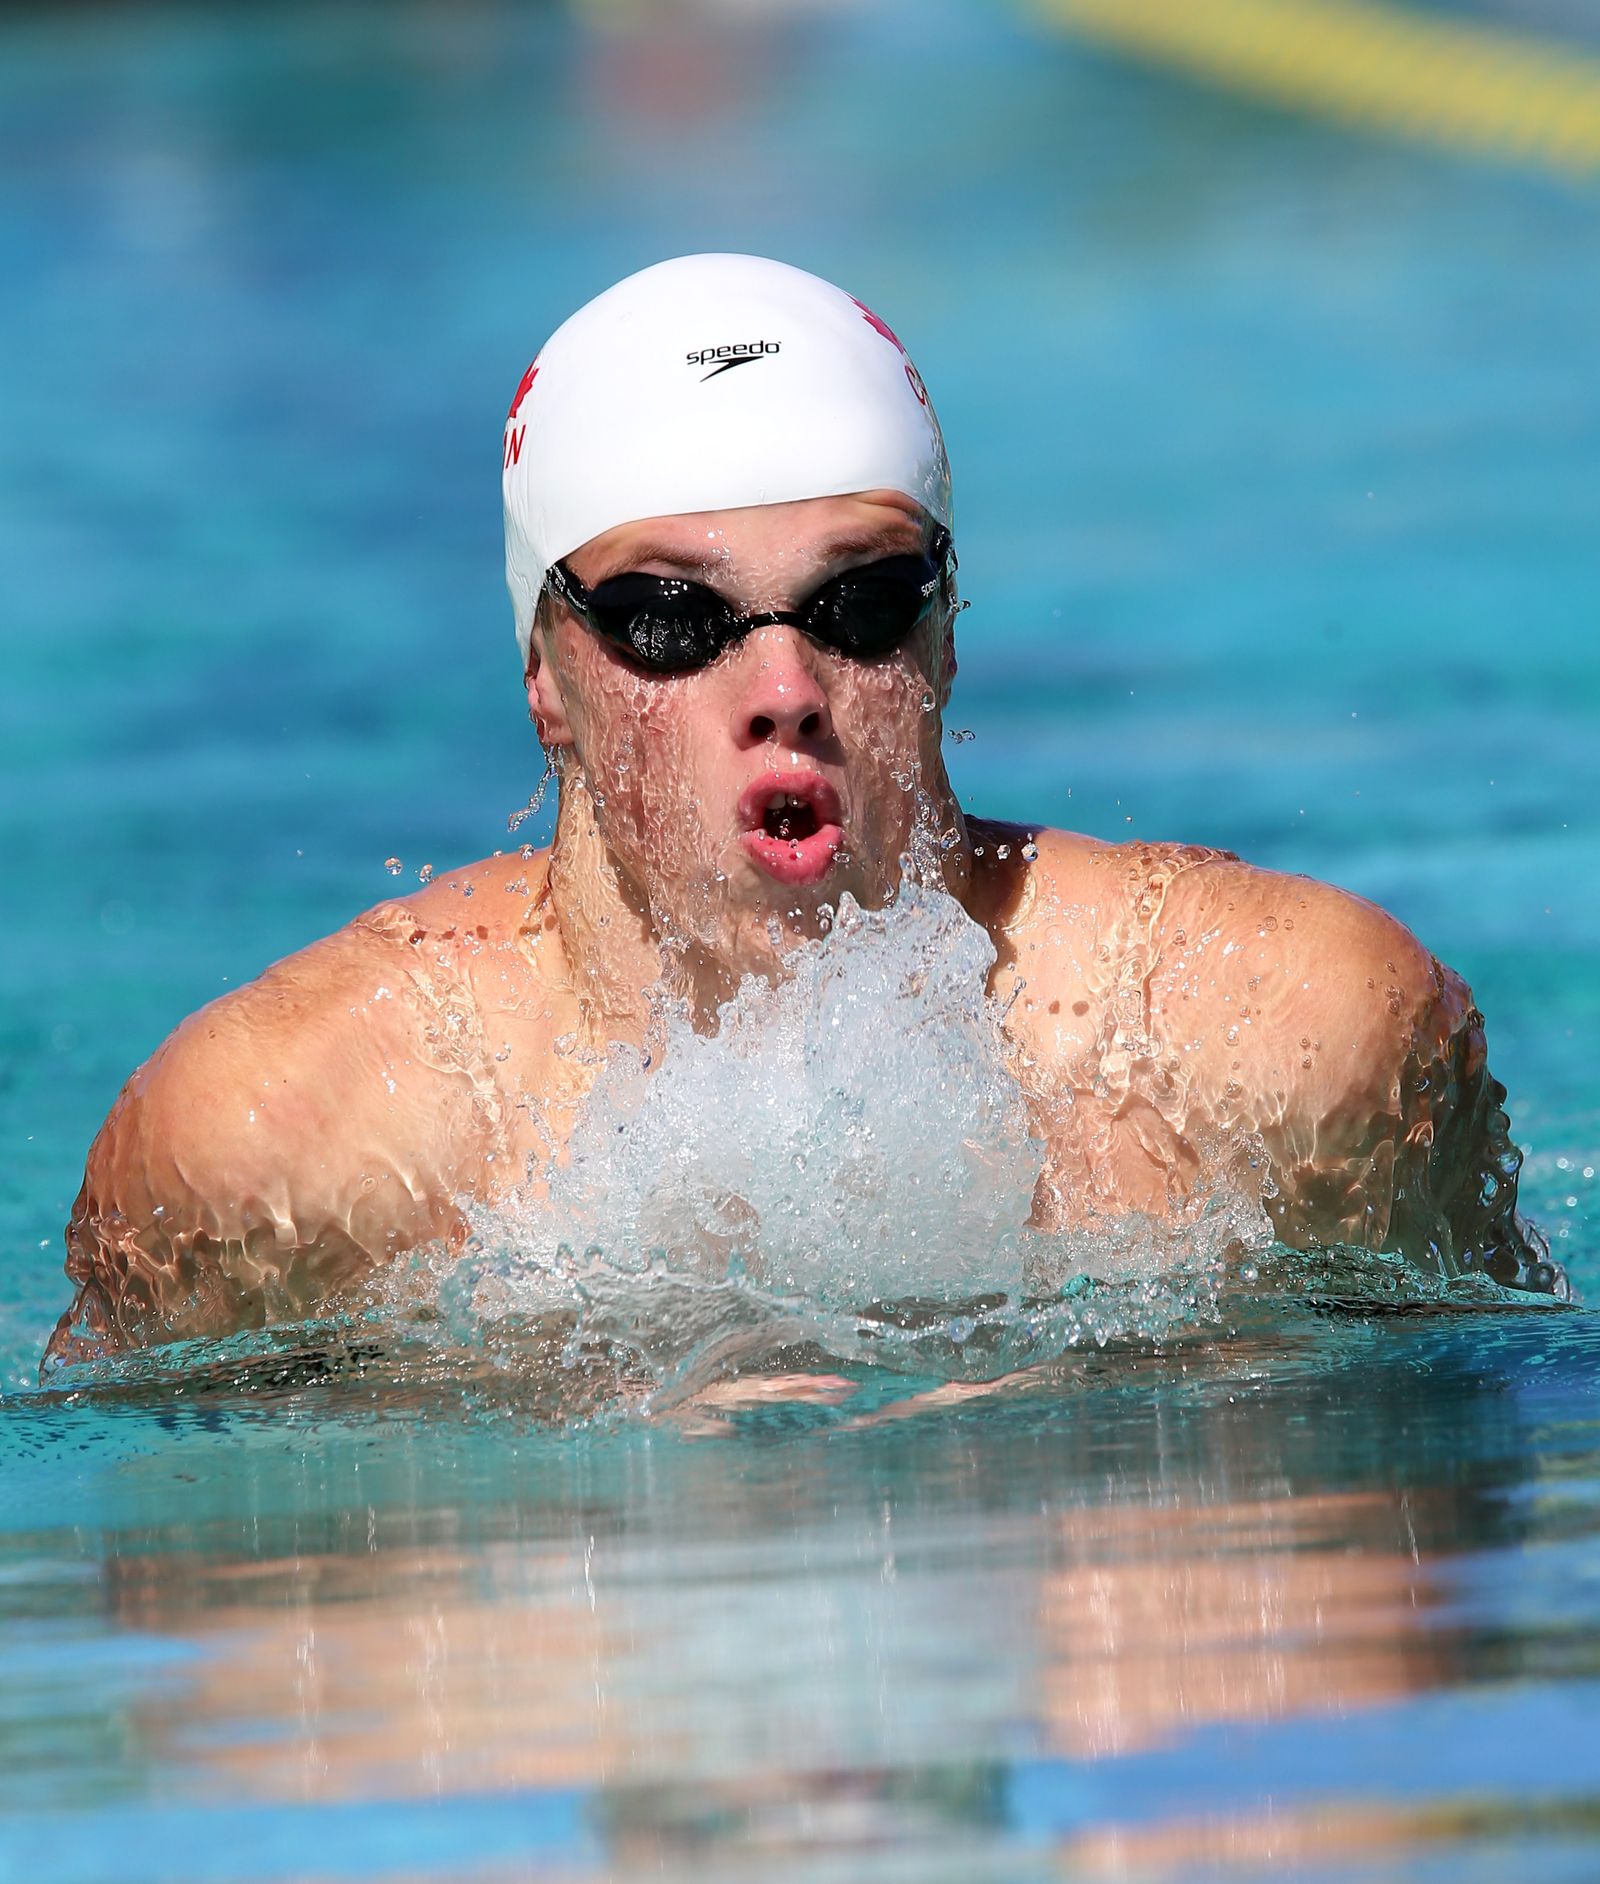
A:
(1379, 67)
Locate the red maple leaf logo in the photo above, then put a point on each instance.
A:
(879, 324)
(522, 390)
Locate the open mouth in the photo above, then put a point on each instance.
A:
(790, 825)
(789, 817)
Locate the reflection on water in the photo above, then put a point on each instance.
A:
(1155, 1611)
(427, 1670)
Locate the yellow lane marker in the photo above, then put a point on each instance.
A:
(1384, 68)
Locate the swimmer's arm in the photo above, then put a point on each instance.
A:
(1313, 1018)
(279, 1145)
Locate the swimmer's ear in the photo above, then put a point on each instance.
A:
(545, 705)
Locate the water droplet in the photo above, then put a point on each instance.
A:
(1030, 853)
(425, 873)
(393, 865)
(1002, 851)
(531, 808)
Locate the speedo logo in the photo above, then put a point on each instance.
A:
(739, 353)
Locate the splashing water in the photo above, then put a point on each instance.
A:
(848, 1163)
(843, 1172)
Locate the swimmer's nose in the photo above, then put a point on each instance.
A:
(778, 697)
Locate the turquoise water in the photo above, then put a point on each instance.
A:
(1277, 458)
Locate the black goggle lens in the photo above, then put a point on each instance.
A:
(869, 611)
(671, 625)
(666, 624)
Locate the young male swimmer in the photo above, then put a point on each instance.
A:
(728, 545)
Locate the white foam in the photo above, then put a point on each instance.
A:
(847, 1161)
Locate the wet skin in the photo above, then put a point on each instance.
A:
(1177, 1018)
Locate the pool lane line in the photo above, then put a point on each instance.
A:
(1378, 67)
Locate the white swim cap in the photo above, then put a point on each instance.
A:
(712, 382)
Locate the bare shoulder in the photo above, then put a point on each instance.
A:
(279, 1142)
(1291, 986)
(281, 1054)
(1313, 1019)
(1032, 885)
(497, 900)
(1233, 1000)
(1219, 946)
(343, 1052)
(1069, 909)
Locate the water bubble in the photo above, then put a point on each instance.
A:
(393, 865)
(1030, 853)
(1002, 851)
(425, 873)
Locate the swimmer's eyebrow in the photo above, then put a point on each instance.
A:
(640, 555)
(885, 539)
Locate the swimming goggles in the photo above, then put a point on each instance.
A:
(673, 626)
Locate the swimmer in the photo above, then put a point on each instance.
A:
(729, 546)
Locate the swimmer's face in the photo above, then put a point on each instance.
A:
(766, 784)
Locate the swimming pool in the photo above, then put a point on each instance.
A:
(1276, 459)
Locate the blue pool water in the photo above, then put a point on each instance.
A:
(1278, 463)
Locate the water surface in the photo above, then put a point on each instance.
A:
(1276, 462)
